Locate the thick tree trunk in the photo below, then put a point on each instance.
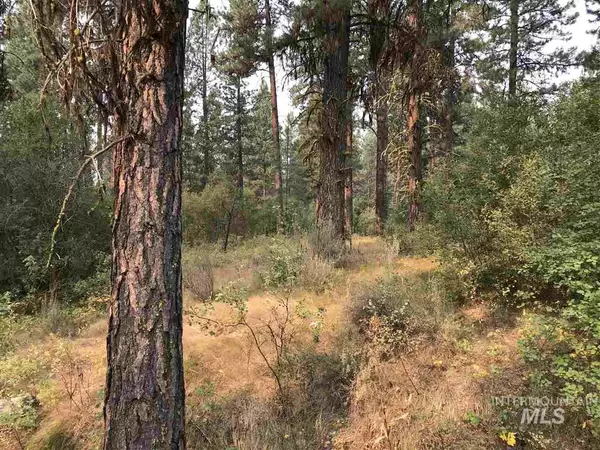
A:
(330, 196)
(144, 400)
(348, 195)
(514, 43)
(275, 121)
(414, 149)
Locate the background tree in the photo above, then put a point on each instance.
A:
(516, 56)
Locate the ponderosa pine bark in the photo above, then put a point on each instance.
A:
(275, 120)
(336, 45)
(348, 188)
(144, 400)
(413, 122)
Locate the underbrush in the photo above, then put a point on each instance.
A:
(315, 264)
(398, 311)
(18, 330)
(317, 390)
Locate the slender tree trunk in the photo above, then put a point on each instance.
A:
(449, 56)
(514, 44)
(379, 11)
(398, 181)
(348, 195)
(414, 131)
(205, 134)
(287, 164)
(275, 121)
(381, 155)
(414, 171)
(145, 395)
(330, 196)
(238, 136)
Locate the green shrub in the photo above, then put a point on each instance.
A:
(563, 355)
(380, 311)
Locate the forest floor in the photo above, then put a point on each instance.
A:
(435, 394)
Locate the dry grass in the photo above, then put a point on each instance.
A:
(423, 398)
(418, 400)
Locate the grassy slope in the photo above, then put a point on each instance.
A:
(420, 400)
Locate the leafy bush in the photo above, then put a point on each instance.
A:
(34, 177)
(199, 280)
(283, 266)
(563, 355)
(208, 215)
(519, 211)
(380, 311)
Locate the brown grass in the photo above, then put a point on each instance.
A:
(417, 401)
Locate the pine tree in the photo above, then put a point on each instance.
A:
(336, 48)
(144, 403)
(200, 48)
(515, 55)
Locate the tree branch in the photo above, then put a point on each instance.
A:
(63, 208)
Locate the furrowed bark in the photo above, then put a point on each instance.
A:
(330, 196)
(348, 194)
(145, 396)
(414, 171)
(414, 131)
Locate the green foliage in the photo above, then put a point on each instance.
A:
(39, 156)
(381, 312)
(207, 215)
(284, 266)
(519, 216)
(563, 354)
(20, 412)
(520, 213)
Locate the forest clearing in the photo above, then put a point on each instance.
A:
(299, 225)
(437, 397)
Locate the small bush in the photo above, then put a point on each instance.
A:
(562, 353)
(317, 274)
(19, 412)
(199, 280)
(284, 265)
(318, 389)
(380, 312)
